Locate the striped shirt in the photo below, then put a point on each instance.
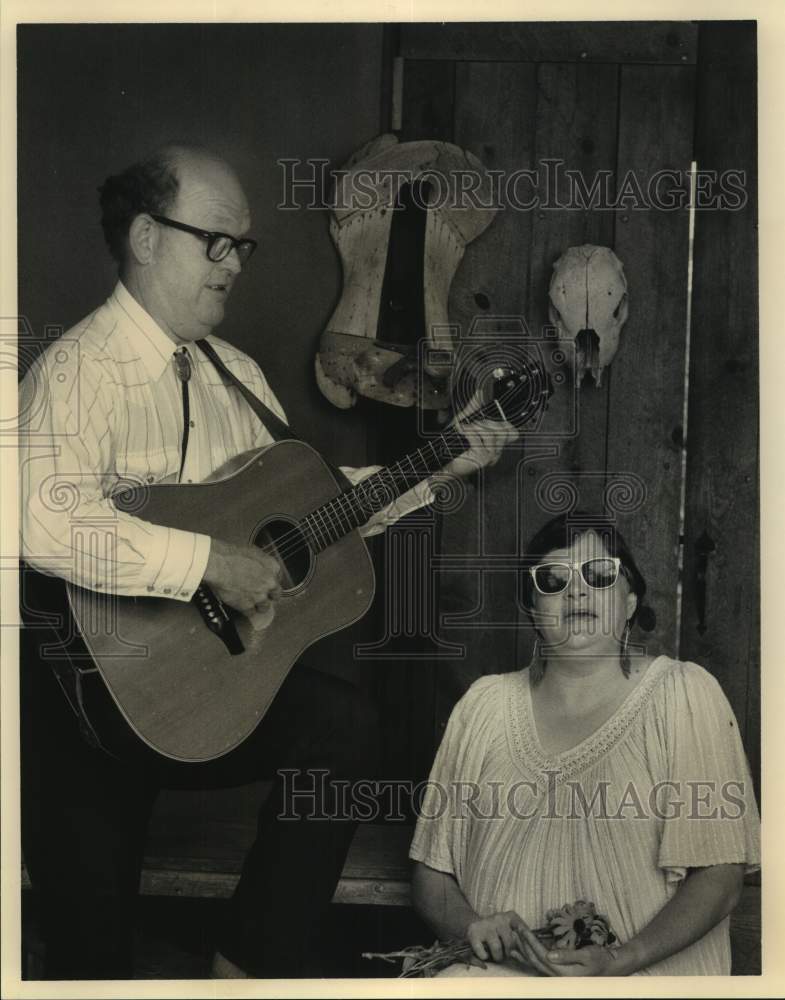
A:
(102, 406)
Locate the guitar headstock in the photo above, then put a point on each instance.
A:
(519, 393)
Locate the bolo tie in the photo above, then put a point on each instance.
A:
(182, 365)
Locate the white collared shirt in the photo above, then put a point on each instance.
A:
(103, 405)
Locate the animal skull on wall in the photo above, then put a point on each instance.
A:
(588, 304)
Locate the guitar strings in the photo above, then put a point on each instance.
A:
(295, 540)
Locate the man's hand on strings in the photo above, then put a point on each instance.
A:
(245, 578)
(487, 439)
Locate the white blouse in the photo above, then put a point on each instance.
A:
(662, 786)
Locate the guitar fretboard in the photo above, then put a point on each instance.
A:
(520, 396)
(354, 507)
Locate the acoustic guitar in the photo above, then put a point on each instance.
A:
(194, 678)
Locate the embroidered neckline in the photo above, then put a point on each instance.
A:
(522, 730)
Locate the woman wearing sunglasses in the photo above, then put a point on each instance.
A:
(598, 773)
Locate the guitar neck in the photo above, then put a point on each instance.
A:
(354, 507)
(518, 398)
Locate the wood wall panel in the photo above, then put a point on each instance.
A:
(495, 106)
(722, 501)
(428, 100)
(576, 41)
(406, 686)
(647, 377)
(595, 443)
(577, 108)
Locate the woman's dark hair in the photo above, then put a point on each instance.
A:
(149, 186)
(562, 531)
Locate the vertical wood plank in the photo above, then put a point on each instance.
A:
(576, 123)
(428, 100)
(514, 117)
(494, 118)
(406, 690)
(722, 500)
(495, 107)
(647, 379)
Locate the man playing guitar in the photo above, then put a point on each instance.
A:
(126, 396)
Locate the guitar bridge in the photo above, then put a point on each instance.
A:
(216, 618)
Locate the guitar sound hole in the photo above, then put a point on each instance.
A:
(282, 540)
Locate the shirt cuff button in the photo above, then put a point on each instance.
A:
(167, 590)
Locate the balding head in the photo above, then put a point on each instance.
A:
(152, 185)
(207, 187)
(160, 211)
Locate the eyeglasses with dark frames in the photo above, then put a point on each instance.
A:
(219, 245)
(554, 577)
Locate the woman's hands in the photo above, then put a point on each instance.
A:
(593, 960)
(496, 938)
(504, 936)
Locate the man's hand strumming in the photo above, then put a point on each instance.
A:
(245, 578)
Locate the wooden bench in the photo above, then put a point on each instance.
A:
(376, 872)
(207, 864)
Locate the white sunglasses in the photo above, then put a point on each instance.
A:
(554, 577)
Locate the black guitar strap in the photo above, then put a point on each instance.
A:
(279, 430)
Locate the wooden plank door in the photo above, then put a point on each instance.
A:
(616, 104)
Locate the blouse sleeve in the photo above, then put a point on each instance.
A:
(709, 810)
(442, 828)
